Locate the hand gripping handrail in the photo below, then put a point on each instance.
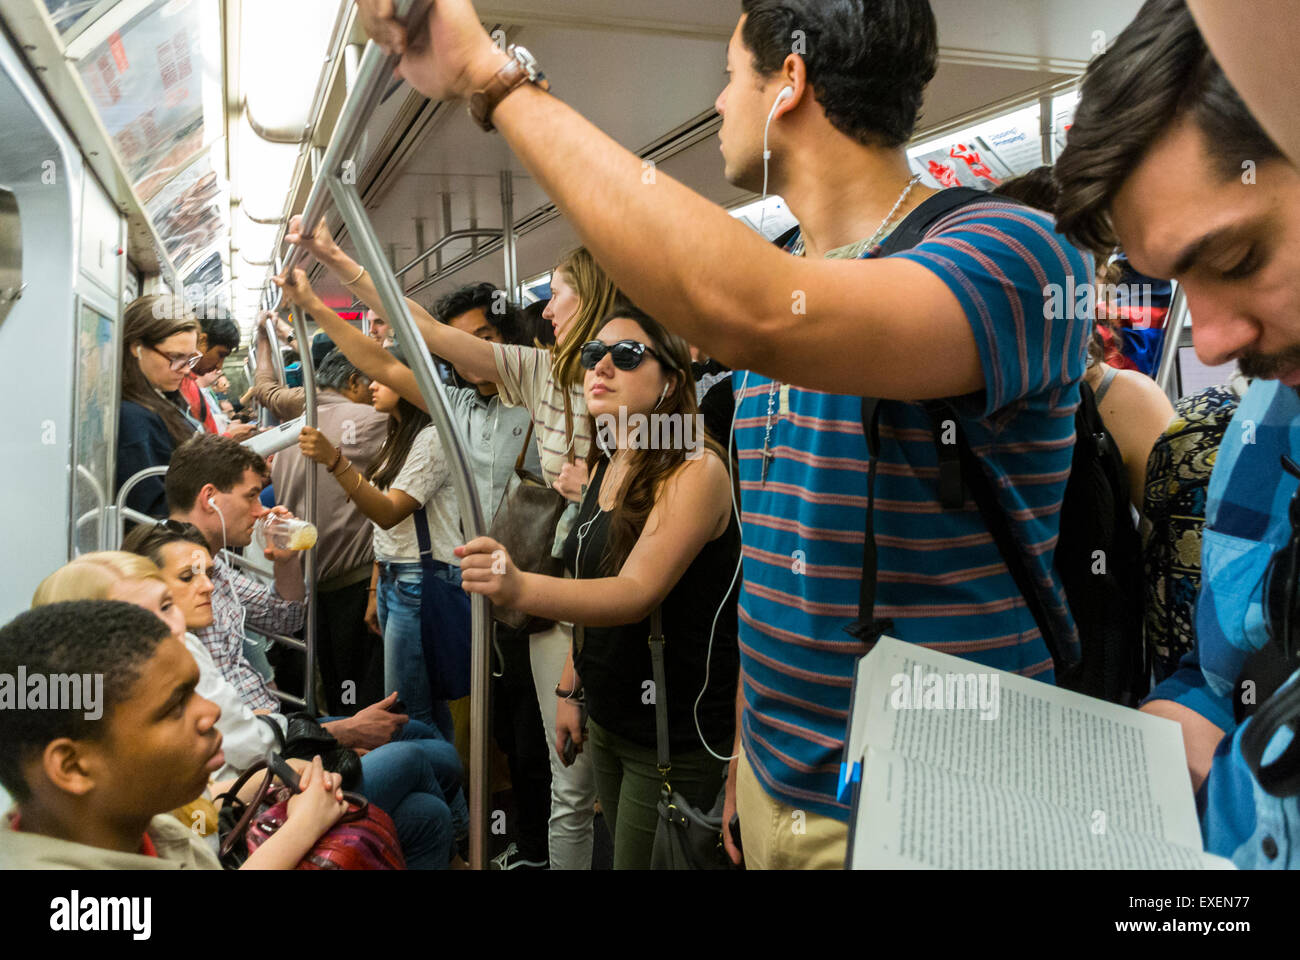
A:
(337, 177)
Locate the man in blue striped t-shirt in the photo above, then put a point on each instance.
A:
(982, 312)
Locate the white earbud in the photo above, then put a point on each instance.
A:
(212, 502)
(787, 93)
(662, 395)
(137, 352)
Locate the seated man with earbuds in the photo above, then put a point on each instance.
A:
(214, 483)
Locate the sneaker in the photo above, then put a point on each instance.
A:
(511, 860)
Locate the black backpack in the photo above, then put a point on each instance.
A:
(1098, 555)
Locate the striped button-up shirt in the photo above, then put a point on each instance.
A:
(239, 600)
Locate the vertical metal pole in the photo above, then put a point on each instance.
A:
(1177, 318)
(351, 64)
(309, 556)
(419, 245)
(371, 255)
(1047, 130)
(446, 228)
(508, 235)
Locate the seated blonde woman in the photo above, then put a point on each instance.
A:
(133, 579)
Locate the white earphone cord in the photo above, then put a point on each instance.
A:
(785, 94)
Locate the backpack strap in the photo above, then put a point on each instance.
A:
(866, 627)
(919, 222)
(977, 480)
(951, 493)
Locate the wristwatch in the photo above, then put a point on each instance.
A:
(521, 68)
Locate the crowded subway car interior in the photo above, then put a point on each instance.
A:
(590, 434)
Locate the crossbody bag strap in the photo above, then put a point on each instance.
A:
(569, 438)
(661, 691)
(422, 534)
(523, 451)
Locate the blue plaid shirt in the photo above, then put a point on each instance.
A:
(1246, 521)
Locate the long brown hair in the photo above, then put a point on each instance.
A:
(149, 321)
(598, 295)
(649, 469)
(402, 429)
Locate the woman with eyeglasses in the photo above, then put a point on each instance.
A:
(161, 345)
(656, 531)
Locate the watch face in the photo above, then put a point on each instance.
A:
(528, 62)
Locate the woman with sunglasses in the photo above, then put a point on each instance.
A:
(548, 382)
(161, 346)
(656, 530)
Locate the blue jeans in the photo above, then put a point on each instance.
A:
(416, 779)
(398, 604)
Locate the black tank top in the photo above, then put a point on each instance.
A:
(614, 662)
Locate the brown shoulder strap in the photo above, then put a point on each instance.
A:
(523, 451)
(568, 425)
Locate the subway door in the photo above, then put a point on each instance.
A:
(38, 338)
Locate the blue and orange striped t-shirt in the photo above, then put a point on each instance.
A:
(941, 579)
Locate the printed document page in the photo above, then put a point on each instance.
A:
(966, 766)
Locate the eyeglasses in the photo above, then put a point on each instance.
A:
(627, 354)
(1281, 598)
(178, 361)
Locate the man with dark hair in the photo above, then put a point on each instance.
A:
(484, 311)
(381, 331)
(1165, 159)
(95, 793)
(822, 99)
(214, 483)
(218, 339)
(346, 651)
(494, 435)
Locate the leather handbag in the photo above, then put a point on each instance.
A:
(525, 525)
(685, 837)
(363, 839)
(306, 738)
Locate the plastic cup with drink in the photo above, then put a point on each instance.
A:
(286, 533)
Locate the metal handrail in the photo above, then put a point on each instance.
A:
(363, 99)
(291, 642)
(290, 699)
(1176, 320)
(369, 86)
(120, 508)
(98, 490)
(484, 233)
(349, 204)
(277, 359)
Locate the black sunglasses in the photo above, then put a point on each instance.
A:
(627, 354)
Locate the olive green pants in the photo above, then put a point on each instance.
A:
(628, 784)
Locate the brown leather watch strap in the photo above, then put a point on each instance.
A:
(484, 102)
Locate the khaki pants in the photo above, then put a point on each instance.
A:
(778, 837)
